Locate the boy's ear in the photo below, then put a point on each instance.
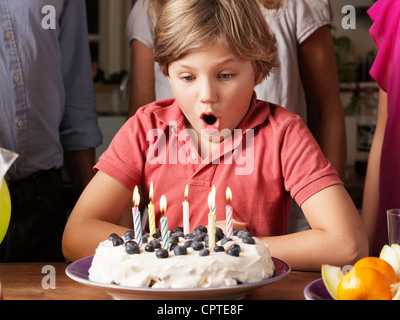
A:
(259, 79)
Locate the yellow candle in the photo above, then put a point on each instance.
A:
(211, 220)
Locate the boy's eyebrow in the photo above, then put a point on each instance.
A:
(227, 60)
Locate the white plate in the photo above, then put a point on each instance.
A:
(78, 271)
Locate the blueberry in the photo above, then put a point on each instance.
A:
(117, 241)
(188, 243)
(219, 249)
(129, 235)
(235, 245)
(145, 238)
(149, 247)
(172, 246)
(203, 235)
(204, 252)
(235, 232)
(197, 245)
(112, 236)
(156, 243)
(189, 236)
(225, 240)
(178, 229)
(219, 232)
(206, 240)
(243, 233)
(173, 239)
(200, 229)
(156, 234)
(162, 254)
(131, 247)
(179, 234)
(197, 237)
(233, 251)
(180, 251)
(248, 240)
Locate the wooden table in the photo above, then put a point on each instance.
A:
(34, 281)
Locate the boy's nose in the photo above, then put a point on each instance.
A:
(208, 93)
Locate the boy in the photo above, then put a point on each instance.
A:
(214, 52)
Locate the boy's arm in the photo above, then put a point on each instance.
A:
(95, 216)
(337, 235)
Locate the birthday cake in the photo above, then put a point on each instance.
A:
(186, 262)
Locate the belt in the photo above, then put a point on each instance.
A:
(35, 186)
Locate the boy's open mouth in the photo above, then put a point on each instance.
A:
(209, 119)
(211, 123)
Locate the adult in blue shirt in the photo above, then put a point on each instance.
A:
(48, 116)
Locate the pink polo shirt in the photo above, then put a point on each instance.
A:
(270, 158)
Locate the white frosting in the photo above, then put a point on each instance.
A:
(112, 265)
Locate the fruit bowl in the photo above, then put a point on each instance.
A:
(370, 278)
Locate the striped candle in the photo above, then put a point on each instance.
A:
(136, 217)
(211, 219)
(164, 222)
(211, 231)
(152, 219)
(185, 208)
(229, 214)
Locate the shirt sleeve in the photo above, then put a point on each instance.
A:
(140, 25)
(385, 32)
(78, 128)
(305, 169)
(310, 15)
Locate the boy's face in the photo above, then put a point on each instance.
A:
(213, 88)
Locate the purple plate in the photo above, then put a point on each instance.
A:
(79, 271)
(316, 290)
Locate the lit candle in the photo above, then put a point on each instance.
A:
(136, 217)
(164, 222)
(185, 205)
(211, 219)
(229, 214)
(152, 219)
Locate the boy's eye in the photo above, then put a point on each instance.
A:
(226, 76)
(187, 78)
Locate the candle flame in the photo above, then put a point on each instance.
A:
(186, 191)
(228, 194)
(151, 191)
(163, 204)
(136, 196)
(211, 197)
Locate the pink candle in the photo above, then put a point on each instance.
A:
(229, 214)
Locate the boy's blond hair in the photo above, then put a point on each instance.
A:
(187, 25)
